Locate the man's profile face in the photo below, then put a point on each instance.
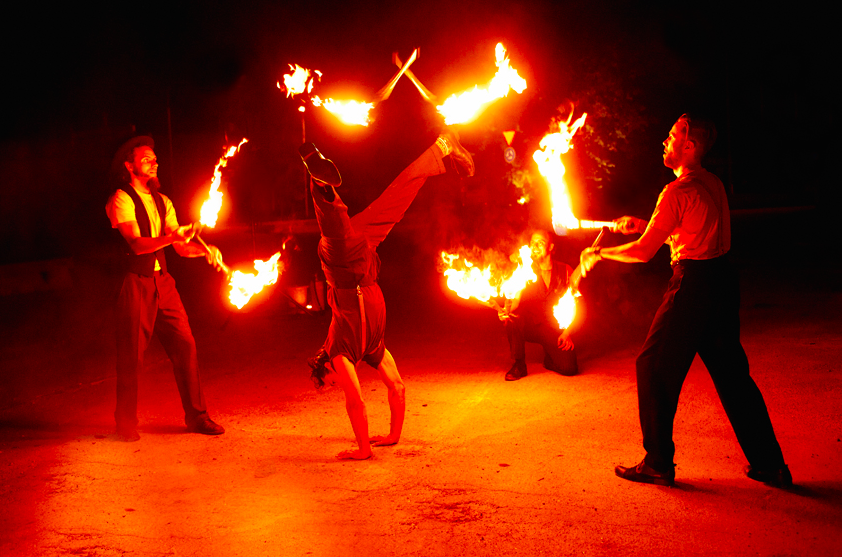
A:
(144, 164)
(539, 245)
(674, 145)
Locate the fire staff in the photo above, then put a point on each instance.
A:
(148, 298)
(351, 265)
(529, 317)
(698, 315)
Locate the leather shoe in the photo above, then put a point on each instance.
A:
(776, 478)
(645, 474)
(518, 371)
(460, 156)
(321, 169)
(127, 434)
(205, 426)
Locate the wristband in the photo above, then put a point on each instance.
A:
(598, 252)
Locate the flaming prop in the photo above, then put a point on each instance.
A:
(462, 108)
(565, 310)
(210, 208)
(351, 112)
(246, 285)
(470, 280)
(551, 167)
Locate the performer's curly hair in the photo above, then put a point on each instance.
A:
(318, 370)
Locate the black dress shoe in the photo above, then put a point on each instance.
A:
(777, 478)
(518, 371)
(459, 155)
(321, 169)
(645, 474)
(205, 426)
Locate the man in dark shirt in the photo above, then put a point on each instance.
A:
(698, 315)
(529, 317)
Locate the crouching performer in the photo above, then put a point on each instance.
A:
(351, 266)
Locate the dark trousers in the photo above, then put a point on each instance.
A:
(700, 315)
(148, 304)
(520, 331)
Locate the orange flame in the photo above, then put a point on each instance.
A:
(462, 108)
(299, 80)
(565, 310)
(469, 280)
(210, 208)
(246, 285)
(553, 145)
(350, 112)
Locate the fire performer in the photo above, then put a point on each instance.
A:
(351, 265)
(529, 316)
(698, 315)
(148, 298)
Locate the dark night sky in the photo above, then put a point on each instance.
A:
(79, 77)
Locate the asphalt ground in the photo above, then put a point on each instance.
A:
(484, 466)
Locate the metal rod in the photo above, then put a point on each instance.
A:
(384, 93)
(426, 93)
(224, 267)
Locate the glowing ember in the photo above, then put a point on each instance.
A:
(210, 208)
(350, 112)
(565, 310)
(483, 282)
(246, 285)
(553, 145)
(462, 108)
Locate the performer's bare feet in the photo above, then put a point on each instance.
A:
(383, 440)
(354, 455)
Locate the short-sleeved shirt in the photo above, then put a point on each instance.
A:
(693, 210)
(120, 209)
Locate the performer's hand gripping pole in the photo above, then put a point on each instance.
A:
(576, 276)
(222, 266)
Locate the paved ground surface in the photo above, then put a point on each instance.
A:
(485, 467)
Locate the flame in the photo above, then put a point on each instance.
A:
(565, 310)
(462, 108)
(471, 280)
(246, 285)
(553, 145)
(512, 286)
(300, 80)
(350, 112)
(210, 208)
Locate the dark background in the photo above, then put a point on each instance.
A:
(81, 78)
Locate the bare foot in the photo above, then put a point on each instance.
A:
(383, 440)
(354, 455)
